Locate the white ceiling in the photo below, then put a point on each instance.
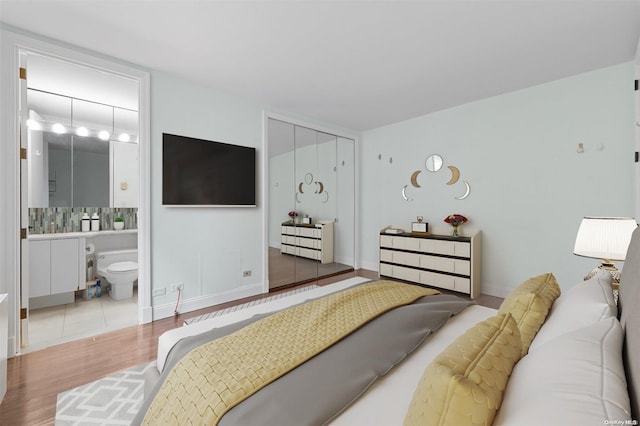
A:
(356, 64)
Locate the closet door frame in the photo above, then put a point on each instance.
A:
(265, 182)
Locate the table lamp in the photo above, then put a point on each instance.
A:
(604, 238)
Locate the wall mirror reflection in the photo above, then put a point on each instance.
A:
(80, 153)
(311, 203)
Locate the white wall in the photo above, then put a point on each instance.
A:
(529, 186)
(205, 248)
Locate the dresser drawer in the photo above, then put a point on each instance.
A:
(288, 230)
(448, 248)
(308, 232)
(386, 255)
(288, 249)
(409, 259)
(386, 241)
(386, 270)
(445, 264)
(406, 274)
(288, 239)
(305, 252)
(399, 243)
(306, 242)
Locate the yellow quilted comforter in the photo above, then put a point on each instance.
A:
(215, 377)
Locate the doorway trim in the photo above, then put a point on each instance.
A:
(636, 173)
(12, 44)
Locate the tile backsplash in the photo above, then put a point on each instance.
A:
(68, 219)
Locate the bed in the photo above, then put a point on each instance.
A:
(542, 358)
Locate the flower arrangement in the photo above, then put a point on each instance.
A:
(293, 214)
(455, 220)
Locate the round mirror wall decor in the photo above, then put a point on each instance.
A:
(433, 163)
(308, 178)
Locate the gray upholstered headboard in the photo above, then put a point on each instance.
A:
(629, 312)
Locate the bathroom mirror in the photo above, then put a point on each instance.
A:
(434, 163)
(76, 150)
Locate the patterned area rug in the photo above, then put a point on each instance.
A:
(249, 304)
(115, 400)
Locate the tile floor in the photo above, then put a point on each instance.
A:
(83, 318)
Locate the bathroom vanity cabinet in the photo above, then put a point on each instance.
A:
(58, 262)
(56, 266)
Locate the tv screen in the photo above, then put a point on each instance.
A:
(197, 172)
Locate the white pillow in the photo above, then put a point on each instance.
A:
(576, 379)
(585, 303)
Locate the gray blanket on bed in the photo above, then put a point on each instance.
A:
(320, 389)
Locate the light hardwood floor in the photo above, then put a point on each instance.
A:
(35, 379)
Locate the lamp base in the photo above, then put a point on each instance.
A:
(615, 275)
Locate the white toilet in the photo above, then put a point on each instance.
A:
(120, 269)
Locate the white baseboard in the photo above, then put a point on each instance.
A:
(147, 315)
(12, 347)
(200, 302)
(344, 260)
(370, 266)
(490, 290)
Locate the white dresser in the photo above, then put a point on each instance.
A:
(452, 263)
(313, 241)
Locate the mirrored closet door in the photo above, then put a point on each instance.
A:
(311, 204)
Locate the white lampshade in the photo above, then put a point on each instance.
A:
(604, 238)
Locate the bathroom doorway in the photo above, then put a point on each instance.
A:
(87, 88)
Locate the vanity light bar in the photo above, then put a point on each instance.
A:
(80, 131)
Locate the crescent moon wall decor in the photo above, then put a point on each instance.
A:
(455, 175)
(466, 192)
(414, 178)
(300, 188)
(320, 187)
(298, 199)
(404, 194)
(326, 198)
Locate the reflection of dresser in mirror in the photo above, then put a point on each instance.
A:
(313, 241)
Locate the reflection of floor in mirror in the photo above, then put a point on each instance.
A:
(287, 269)
(83, 318)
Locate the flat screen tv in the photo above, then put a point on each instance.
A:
(197, 172)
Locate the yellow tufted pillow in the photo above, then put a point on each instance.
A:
(529, 303)
(464, 384)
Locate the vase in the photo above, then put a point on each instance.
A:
(454, 231)
(118, 226)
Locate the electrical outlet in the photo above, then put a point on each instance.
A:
(176, 286)
(159, 291)
(246, 274)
